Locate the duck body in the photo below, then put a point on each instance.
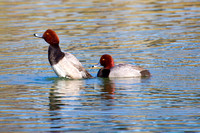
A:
(64, 64)
(121, 70)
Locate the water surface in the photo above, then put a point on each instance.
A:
(162, 36)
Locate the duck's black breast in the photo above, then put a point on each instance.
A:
(55, 55)
(103, 73)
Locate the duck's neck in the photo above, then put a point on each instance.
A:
(55, 54)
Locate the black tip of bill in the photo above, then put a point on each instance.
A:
(97, 65)
(36, 35)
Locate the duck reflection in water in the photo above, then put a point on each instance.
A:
(64, 92)
(108, 88)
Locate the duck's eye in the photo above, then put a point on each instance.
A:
(103, 59)
(47, 34)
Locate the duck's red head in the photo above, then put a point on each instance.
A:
(51, 37)
(107, 61)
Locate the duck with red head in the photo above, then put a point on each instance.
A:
(120, 70)
(64, 64)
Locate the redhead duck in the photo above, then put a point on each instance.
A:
(64, 64)
(120, 70)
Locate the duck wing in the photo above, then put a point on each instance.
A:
(76, 64)
(127, 70)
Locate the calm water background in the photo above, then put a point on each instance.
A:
(162, 36)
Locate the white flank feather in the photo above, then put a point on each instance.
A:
(69, 67)
(125, 70)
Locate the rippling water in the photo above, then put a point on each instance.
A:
(162, 36)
